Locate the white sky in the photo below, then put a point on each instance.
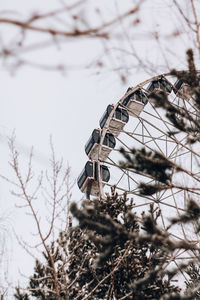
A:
(37, 103)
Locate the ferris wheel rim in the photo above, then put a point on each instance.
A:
(107, 123)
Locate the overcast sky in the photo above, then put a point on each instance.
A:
(38, 103)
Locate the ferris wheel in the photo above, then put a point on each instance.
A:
(134, 121)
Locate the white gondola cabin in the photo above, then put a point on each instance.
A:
(182, 90)
(118, 121)
(88, 179)
(135, 102)
(160, 84)
(92, 146)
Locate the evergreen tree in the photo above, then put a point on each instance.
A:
(114, 253)
(106, 256)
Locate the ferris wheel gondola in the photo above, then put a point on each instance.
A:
(88, 179)
(118, 120)
(135, 102)
(182, 90)
(92, 146)
(160, 84)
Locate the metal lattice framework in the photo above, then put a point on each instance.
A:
(150, 130)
